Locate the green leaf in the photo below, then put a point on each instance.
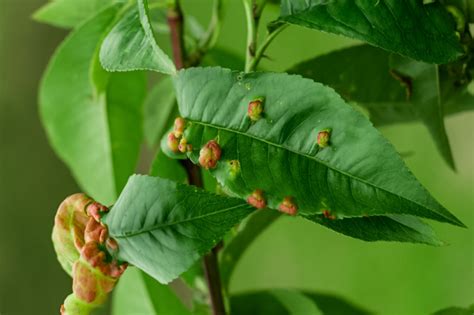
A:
(426, 95)
(159, 107)
(223, 58)
(70, 13)
(131, 44)
(248, 231)
(163, 227)
(358, 174)
(399, 228)
(335, 305)
(426, 99)
(420, 31)
(137, 294)
(456, 311)
(291, 302)
(168, 168)
(92, 118)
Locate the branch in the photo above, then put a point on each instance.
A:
(211, 267)
(268, 40)
(175, 22)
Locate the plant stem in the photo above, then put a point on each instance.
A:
(268, 40)
(211, 266)
(175, 22)
(213, 277)
(252, 31)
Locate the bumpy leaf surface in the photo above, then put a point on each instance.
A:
(92, 118)
(163, 227)
(409, 27)
(358, 174)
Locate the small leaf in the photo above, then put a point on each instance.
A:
(159, 107)
(358, 174)
(163, 227)
(70, 13)
(420, 31)
(398, 228)
(456, 311)
(92, 118)
(291, 302)
(168, 168)
(334, 305)
(137, 293)
(249, 230)
(119, 50)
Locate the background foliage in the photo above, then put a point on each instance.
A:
(420, 280)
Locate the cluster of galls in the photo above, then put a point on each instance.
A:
(211, 152)
(176, 141)
(287, 205)
(84, 249)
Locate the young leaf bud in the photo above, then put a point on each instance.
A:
(257, 199)
(173, 142)
(210, 154)
(288, 206)
(255, 108)
(323, 138)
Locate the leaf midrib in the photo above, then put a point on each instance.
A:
(314, 159)
(166, 225)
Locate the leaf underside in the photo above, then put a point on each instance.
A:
(359, 173)
(131, 44)
(420, 31)
(163, 227)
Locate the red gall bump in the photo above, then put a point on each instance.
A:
(327, 214)
(288, 206)
(210, 154)
(323, 138)
(96, 210)
(95, 232)
(255, 109)
(257, 199)
(173, 142)
(111, 245)
(179, 125)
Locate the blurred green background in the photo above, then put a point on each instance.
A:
(388, 278)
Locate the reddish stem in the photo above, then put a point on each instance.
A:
(210, 262)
